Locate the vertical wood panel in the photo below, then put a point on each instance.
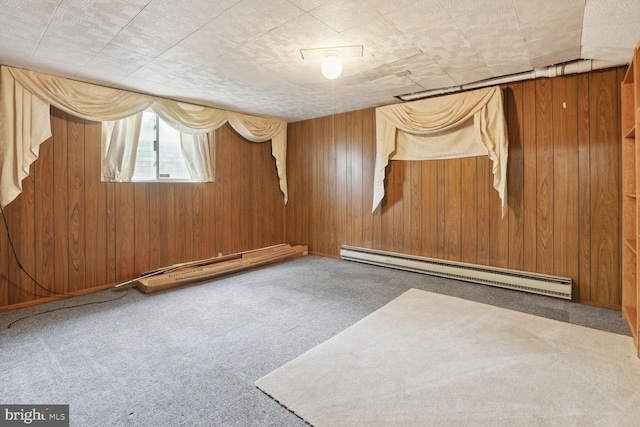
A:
(469, 213)
(4, 264)
(453, 209)
(95, 209)
(346, 137)
(515, 175)
(584, 189)
(155, 227)
(544, 177)
(530, 181)
(142, 238)
(76, 179)
(397, 244)
(368, 160)
(565, 149)
(605, 248)
(429, 219)
(125, 232)
(415, 230)
(335, 190)
(60, 216)
(44, 206)
(18, 291)
(111, 226)
(355, 198)
(483, 168)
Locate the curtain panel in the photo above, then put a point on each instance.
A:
(26, 97)
(460, 125)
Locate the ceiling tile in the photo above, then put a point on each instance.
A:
(269, 14)
(127, 39)
(305, 31)
(612, 23)
(343, 15)
(419, 16)
(383, 40)
(160, 28)
(195, 12)
(61, 52)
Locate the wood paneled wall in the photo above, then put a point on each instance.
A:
(73, 232)
(563, 189)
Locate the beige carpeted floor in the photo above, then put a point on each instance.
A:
(427, 359)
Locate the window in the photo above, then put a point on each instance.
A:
(159, 156)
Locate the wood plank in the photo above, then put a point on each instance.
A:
(452, 209)
(44, 221)
(335, 195)
(469, 210)
(357, 167)
(155, 227)
(415, 229)
(429, 208)
(315, 131)
(544, 175)
(332, 175)
(605, 261)
(399, 178)
(125, 231)
(259, 191)
(76, 183)
(441, 206)
(483, 169)
(142, 237)
(60, 197)
(565, 185)
(95, 217)
(530, 181)
(167, 225)
(197, 222)
(347, 144)
(211, 201)
(368, 163)
(515, 177)
(4, 263)
(189, 275)
(386, 210)
(110, 189)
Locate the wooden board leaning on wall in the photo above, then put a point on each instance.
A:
(182, 274)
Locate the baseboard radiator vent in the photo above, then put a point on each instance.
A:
(555, 286)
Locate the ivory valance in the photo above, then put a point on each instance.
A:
(26, 97)
(459, 125)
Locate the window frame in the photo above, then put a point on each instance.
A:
(156, 150)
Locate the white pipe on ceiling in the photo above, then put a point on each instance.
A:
(575, 67)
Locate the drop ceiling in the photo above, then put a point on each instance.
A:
(244, 55)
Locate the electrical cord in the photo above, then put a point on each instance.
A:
(15, 255)
(71, 306)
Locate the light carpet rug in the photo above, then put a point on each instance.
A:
(427, 359)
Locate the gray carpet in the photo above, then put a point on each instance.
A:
(190, 356)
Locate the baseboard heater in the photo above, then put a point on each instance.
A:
(555, 286)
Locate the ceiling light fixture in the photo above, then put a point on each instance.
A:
(332, 58)
(331, 65)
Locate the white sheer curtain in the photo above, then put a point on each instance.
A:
(119, 148)
(26, 97)
(120, 144)
(197, 156)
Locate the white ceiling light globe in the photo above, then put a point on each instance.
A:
(331, 66)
